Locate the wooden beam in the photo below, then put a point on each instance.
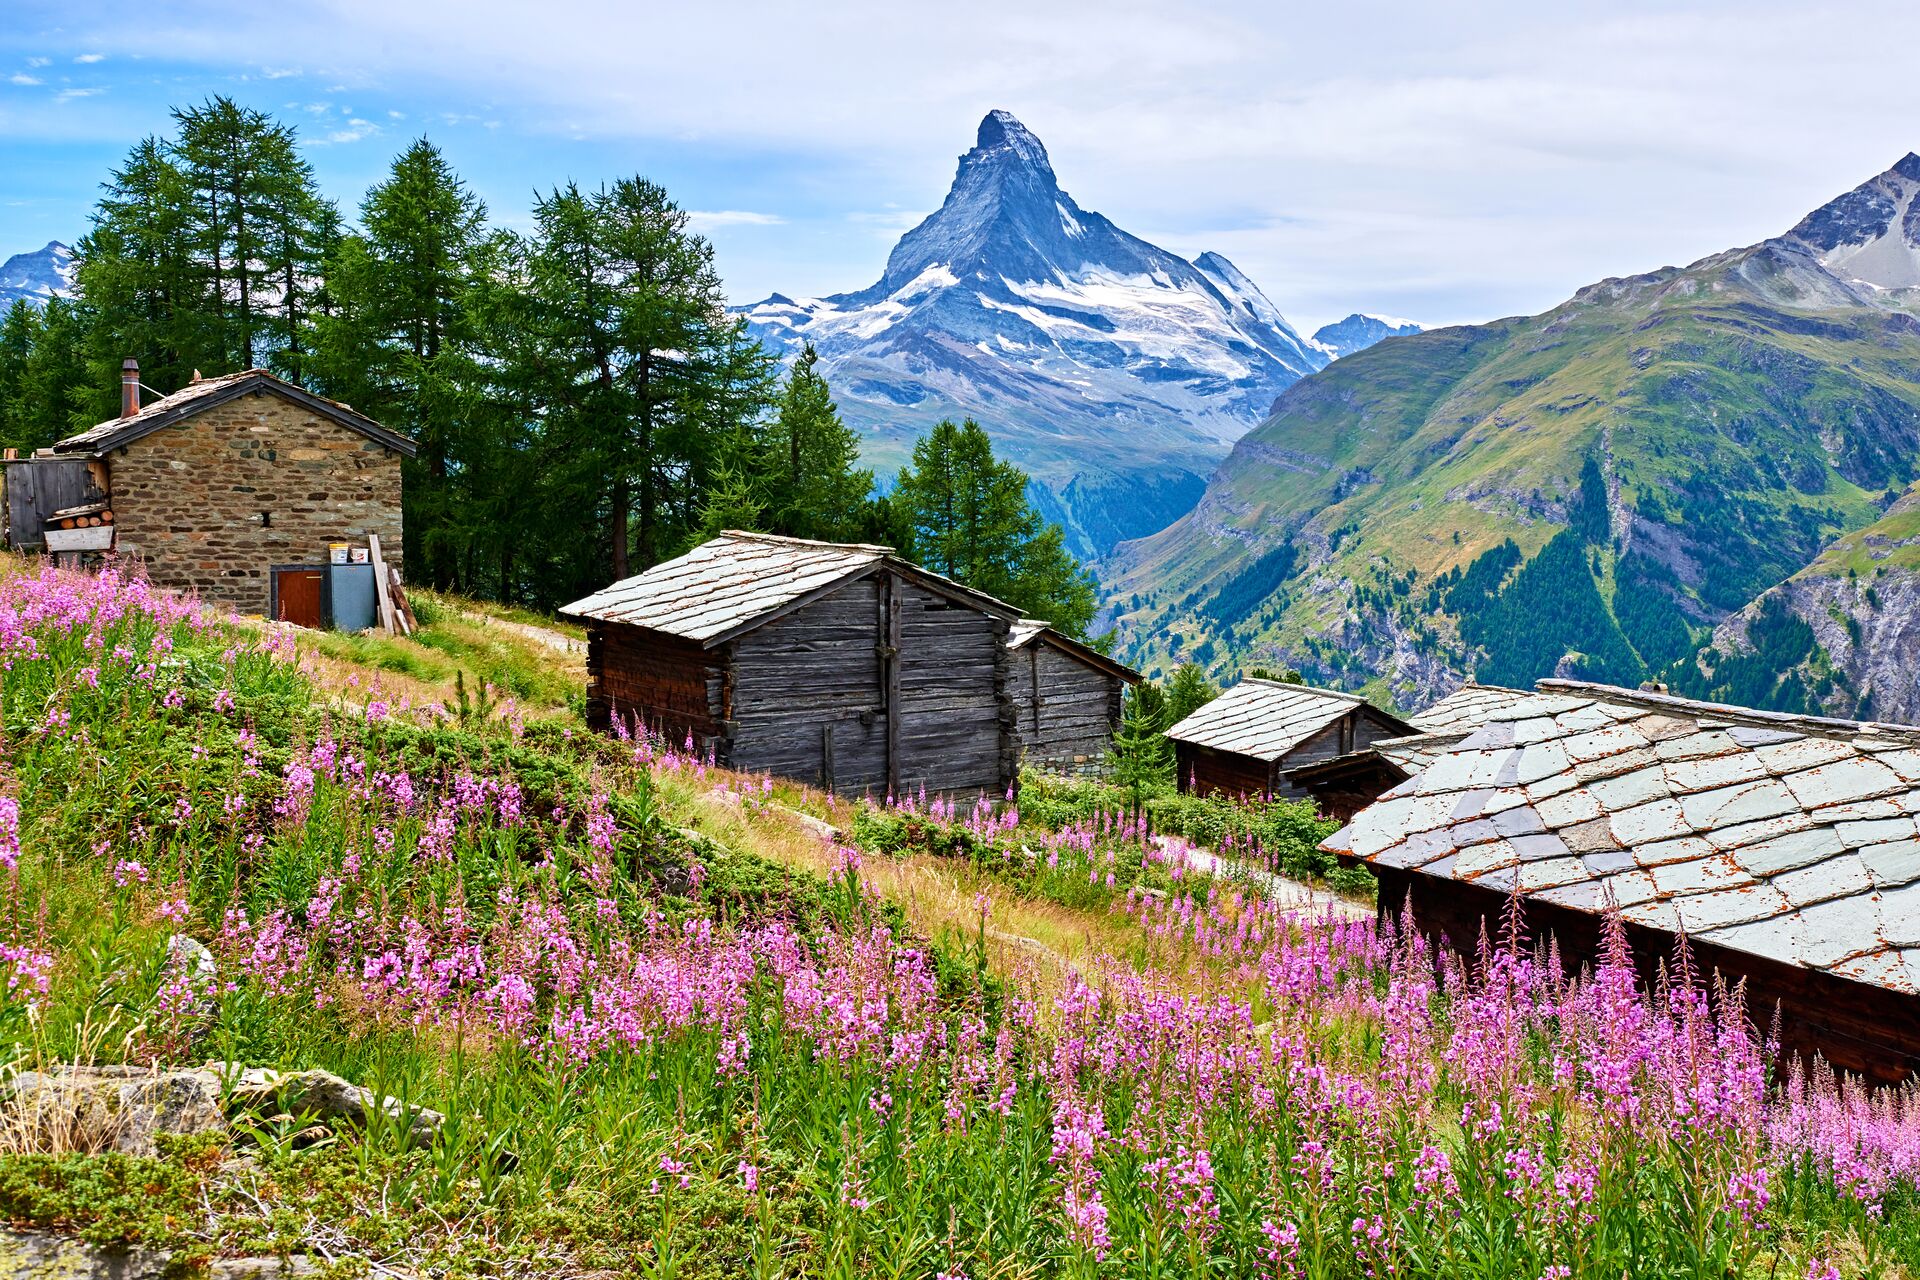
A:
(380, 584)
(890, 675)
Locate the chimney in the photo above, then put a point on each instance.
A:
(129, 387)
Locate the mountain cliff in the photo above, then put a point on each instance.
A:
(1589, 491)
(34, 277)
(1112, 371)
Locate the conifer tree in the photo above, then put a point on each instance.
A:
(813, 487)
(1188, 689)
(967, 516)
(1142, 755)
(43, 374)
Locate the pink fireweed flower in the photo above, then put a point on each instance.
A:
(9, 832)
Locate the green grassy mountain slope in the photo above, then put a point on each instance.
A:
(1586, 491)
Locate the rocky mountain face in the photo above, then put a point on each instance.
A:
(1114, 372)
(1359, 331)
(34, 277)
(1592, 491)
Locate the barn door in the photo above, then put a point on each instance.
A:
(297, 595)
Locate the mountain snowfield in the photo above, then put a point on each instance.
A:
(1114, 372)
(1360, 331)
(1598, 491)
(47, 272)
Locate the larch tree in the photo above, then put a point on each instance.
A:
(967, 515)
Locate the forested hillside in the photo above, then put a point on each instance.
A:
(1585, 492)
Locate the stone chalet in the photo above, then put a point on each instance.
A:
(229, 479)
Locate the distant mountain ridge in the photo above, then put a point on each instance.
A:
(1655, 479)
(1114, 372)
(1360, 331)
(47, 272)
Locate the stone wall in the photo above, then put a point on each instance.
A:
(211, 503)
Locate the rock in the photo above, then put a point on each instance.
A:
(113, 1108)
(191, 955)
(41, 1255)
(320, 1095)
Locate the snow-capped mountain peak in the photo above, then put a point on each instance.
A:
(1871, 234)
(1359, 331)
(34, 277)
(1086, 351)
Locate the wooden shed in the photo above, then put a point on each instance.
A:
(1783, 848)
(1344, 785)
(1067, 698)
(1249, 738)
(840, 665)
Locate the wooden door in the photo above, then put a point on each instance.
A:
(297, 594)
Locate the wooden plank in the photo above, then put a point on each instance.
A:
(402, 610)
(890, 676)
(380, 583)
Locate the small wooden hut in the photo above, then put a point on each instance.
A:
(1344, 785)
(1783, 849)
(840, 665)
(1248, 739)
(1067, 698)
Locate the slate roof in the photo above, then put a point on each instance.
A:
(1788, 837)
(1466, 708)
(738, 581)
(1264, 719)
(1027, 630)
(197, 397)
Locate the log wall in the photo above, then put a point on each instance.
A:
(1065, 711)
(674, 686)
(956, 732)
(809, 693)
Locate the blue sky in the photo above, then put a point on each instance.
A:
(1444, 162)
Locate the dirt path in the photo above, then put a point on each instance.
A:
(555, 640)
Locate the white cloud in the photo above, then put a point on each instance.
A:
(707, 220)
(68, 95)
(39, 62)
(21, 77)
(91, 57)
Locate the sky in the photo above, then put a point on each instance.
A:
(1444, 162)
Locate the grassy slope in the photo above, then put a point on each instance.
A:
(1743, 419)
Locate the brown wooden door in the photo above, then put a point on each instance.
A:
(296, 594)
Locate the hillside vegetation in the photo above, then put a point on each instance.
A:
(681, 1022)
(1620, 473)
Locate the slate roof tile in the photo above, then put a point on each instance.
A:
(1784, 836)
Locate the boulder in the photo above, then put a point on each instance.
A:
(192, 956)
(112, 1108)
(43, 1255)
(321, 1095)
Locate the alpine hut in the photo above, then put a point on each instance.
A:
(1067, 698)
(841, 665)
(1783, 848)
(1247, 740)
(1346, 784)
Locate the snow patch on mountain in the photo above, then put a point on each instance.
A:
(35, 277)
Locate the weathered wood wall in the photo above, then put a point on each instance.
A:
(1855, 1026)
(1205, 771)
(1065, 711)
(36, 488)
(809, 694)
(956, 732)
(673, 685)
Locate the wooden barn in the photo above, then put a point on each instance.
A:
(1067, 698)
(1247, 740)
(1784, 848)
(839, 665)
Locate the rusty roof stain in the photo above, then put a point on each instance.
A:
(740, 580)
(1794, 838)
(204, 394)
